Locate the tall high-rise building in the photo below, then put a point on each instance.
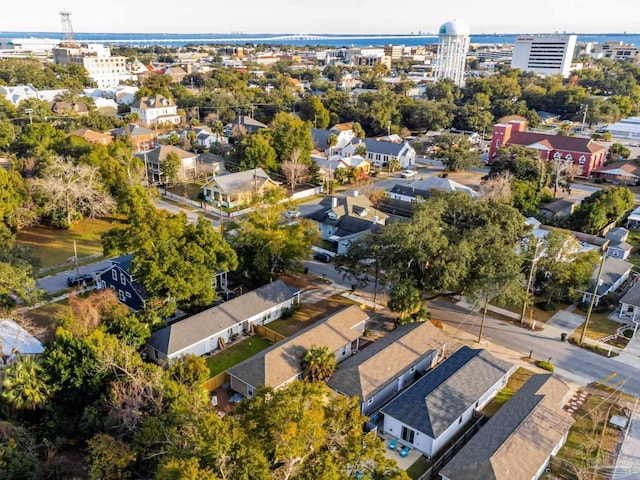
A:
(453, 45)
(544, 54)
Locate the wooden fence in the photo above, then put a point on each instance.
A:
(438, 464)
(217, 381)
(269, 334)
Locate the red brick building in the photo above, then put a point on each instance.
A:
(582, 151)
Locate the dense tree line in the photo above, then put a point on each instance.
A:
(89, 406)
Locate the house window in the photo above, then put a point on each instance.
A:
(370, 401)
(413, 369)
(121, 295)
(123, 278)
(114, 275)
(250, 391)
(582, 159)
(568, 157)
(407, 434)
(459, 420)
(127, 294)
(556, 155)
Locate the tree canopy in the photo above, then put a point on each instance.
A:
(172, 258)
(447, 248)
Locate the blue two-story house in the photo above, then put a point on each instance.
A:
(117, 277)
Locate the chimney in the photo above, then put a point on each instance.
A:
(334, 202)
(375, 219)
(355, 193)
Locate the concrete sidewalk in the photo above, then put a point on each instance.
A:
(628, 462)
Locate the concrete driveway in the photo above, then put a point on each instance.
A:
(565, 320)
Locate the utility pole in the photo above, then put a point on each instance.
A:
(584, 117)
(595, 291)
(533, 264)
(75, 255)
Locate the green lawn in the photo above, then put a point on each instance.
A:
(235, 354)
(44, 318)
(585, 438)
(539, 315)
(308, 314)
(53, 246)
(418, 468)
(188, 190)
(600, 326)
(519, 377)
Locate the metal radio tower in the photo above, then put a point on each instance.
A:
(68, 38)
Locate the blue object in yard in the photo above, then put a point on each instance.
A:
(235, 398)
(404, 451)
(392, 444)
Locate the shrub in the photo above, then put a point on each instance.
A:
(545, 365)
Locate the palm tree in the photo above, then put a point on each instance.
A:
(332, 141)
(24, 385)
(318, 363)
(361, 149)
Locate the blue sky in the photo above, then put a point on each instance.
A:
(327, 16)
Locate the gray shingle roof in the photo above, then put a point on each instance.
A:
(632, 297)
(154, 101)
(532, 421)
(189, 331)
(159, 154)
(132, 130)
(369, 371)
(241, 181)
(614, 268)
(439, 398)
(283, 361)
(379, 146)
(355, 214)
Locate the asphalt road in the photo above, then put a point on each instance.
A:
(572, 362)
(58, 282)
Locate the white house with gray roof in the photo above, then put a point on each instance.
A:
(518, 442)
(389, 365)
(428, 414)
(214, 328)
(380, 153)
(614, 273)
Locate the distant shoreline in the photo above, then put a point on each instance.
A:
(299, 39)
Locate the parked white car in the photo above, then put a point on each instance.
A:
(408, 174)
(292, 214)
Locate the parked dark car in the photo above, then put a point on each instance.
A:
(322, 257)
(82, 279)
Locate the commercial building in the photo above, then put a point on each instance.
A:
(453, 45)
(105, 70)
(581, 152)
(544, 54)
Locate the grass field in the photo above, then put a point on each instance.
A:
(590, 436)
(54, 246)
(519, 377)
(309, 314)
(191, 191)
(235, 354)
(44, 319)
(600, 326)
